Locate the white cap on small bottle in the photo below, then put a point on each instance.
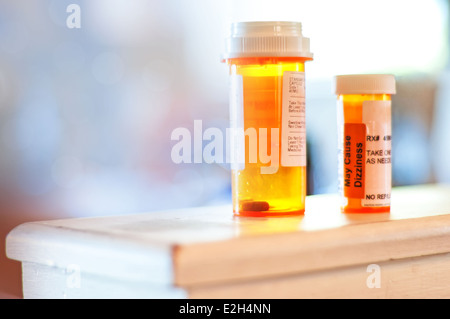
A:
(264, 39)
(365, 84)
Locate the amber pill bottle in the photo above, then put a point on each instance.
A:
(364, 141)
(267, 114)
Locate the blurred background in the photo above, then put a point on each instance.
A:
(86, 114)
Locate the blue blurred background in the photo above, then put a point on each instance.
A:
(86, 114)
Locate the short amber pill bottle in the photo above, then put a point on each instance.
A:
(364, 141)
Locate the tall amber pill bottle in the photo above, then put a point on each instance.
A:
(267, 113)
(364, 141)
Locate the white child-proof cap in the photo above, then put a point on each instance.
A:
(365, 84)
(264, 39)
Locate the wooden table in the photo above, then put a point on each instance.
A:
(208, 253)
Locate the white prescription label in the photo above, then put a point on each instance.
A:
(293, 125)
(377, 118)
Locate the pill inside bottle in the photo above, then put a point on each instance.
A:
(267, 114)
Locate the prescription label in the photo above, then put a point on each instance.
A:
(354, 152)
(293, 125)
(376, 116)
